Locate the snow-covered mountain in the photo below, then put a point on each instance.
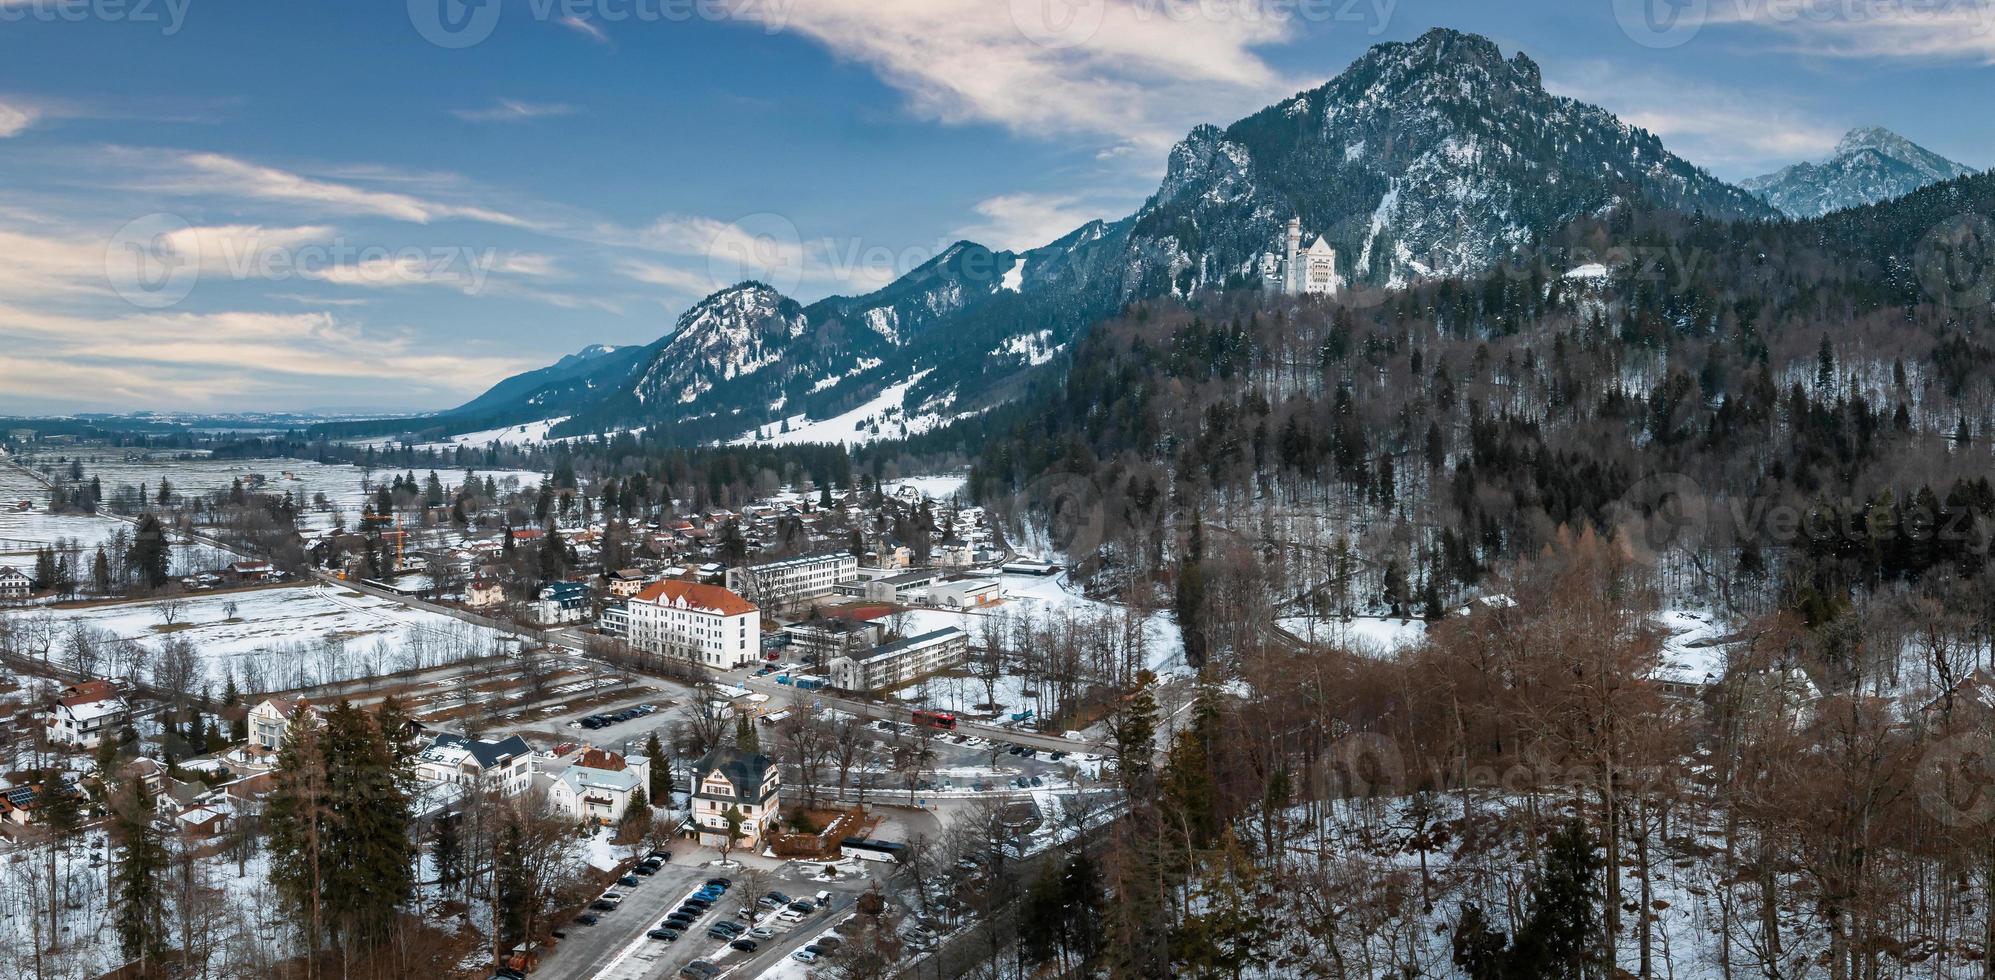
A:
(1425, 158)
(1869, 165)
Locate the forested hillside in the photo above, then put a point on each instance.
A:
(1697, 514)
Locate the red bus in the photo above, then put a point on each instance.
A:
(935, 719)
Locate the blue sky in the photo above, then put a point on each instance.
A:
(318, 206)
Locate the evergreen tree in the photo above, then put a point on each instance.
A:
(661, 773)
(137, 891)
(447, 853)
(1190, 600)
(512, 891)
(745, 737)
(151, 556)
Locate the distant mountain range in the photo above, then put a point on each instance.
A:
(1868, 166)
(1423, 159)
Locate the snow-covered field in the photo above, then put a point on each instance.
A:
(21, 531)
(273, 639)
(1047, 595)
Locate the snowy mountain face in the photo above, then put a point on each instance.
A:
(730, 335)
(1428, 158)
(1868, 166)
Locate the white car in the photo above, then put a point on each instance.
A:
(804, 956)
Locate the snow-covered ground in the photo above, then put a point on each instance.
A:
(1379, 636)
(291, 637)
(936, 488)
(880, 418)
(1047, 595)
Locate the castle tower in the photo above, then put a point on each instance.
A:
(1318, 274)
(1292, 276)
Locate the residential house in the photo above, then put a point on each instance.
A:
(270, 720)
(706, 624)
(561, 602)
(14, 584)
(87, 713)
(484, 592)
(504, 767)
(894, 664)
(747, 783)
(597, 786)
(627, 582)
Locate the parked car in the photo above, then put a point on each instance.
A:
(802, 906)
(779, 896)
(666, 935)
(744, 945)
(603, 905)
(804, 956)
(585, 919)
(762, 932)
(828, 944)
(646, 869)
(629, 881)
(699, 970)
(720, 882)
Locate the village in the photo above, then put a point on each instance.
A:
(821, 685)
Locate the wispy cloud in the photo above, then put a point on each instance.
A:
(513, 110)
(585, 28)
(1022, 221)
(1733, 132)
(1130, 70)
(227, 176)
(15, 118)
(1880, 29)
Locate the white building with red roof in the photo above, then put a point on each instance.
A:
(87, 713)
(706, 624)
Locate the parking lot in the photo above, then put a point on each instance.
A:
(619, 947)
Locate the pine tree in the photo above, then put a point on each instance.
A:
(138, 894)
(151, 556)
(511, 888)
(745, 737)
(1190, 600)
(661, 773)
(447, 853)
